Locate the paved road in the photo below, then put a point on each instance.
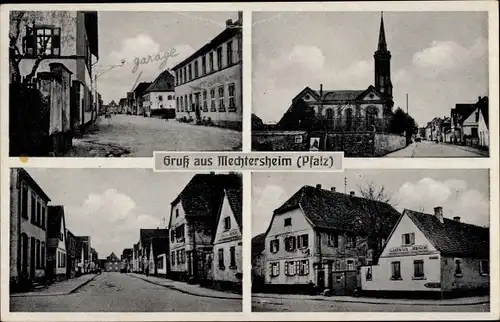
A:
(293, 305)
(143, 135)
(427, 149)
(115, 292)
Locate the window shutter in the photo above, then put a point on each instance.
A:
(277, 245)
(412, 238)
(305, 242)
(294, 243)
(56, 42)
(402, 239)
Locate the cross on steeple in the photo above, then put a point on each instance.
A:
(382, 44)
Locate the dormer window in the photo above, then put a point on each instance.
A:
(408, 239)
(288, 222)
(227, 223)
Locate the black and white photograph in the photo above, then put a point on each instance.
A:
(127, 240)
(370, 83)
(124, 83)
(371, 241)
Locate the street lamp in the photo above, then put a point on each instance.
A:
(97, 75)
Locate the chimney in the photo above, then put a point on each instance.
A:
(479, 98)
(333, 189)
(318, 186)
(321, 90)
(351, 193)
(456, 218)
(438, 212)
(229, 22)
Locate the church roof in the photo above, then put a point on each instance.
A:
(342, 95)
(382, 44)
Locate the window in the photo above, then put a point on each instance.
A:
(179, 233)
(408, 239)
(229, 51)
(177, 77)
(274, 245)
(205, 106)
(221, 98)
(211, 61)
(172, 235)
(219, 58)
(348, 119)
(190, 107)
(396, 270)
(288, 222)
(298, 139)
(212, 101)
(303, 241)
(350, 242)
(337, 265)
(172, 257)
(190, 72)
(227, 223)
(24, 200)
(196, 69)
(333, 240)
(418, 269)
(185, 74)
(291, 268)
(220, 257)
(183, 256)
(474, 132)
(159, 264)
(37, 263)
(176, 213)
(484, 267)
(371, 116)
(369, 274)
(178, 254)
(43, 255)
(350, 265)
(203, 65)
(33, 209)
(61, 236)
(177, 104)
(232, 102)
(329, 114)
(160, 98)
(290, 243)
(458, 267)
(186, 107)
(304, 267)
(275, 269)
(181, 76)
(232, 253)
(44, 40)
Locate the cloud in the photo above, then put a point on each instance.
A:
(111, 218)
(309, 58)
(266, 200)
(445, 56)
(453, 195)
(356, 76)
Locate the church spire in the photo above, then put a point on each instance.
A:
(382, 45)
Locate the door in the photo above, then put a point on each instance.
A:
(321, 280)
(24, 256)
(337, 281)
(32, 258)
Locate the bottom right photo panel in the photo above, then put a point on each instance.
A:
(414, 240)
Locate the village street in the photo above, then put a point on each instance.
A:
(284, 304)
(137, 136)
(428, 149)
(115, 292)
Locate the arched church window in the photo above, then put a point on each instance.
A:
(329, 114)
(348, 119)
(371, 116)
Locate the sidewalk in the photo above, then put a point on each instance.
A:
(65, 287)
(186, 288)
(468, 149)
(373, 300)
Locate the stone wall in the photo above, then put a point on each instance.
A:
(280, 141)
(386, 143)
(353, 144)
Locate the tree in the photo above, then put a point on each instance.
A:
(18, 18)
(299, 117)
(401, 122)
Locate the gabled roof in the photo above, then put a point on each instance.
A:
(258, 244)
(160, 246)
(147, 235)
(140, 89)
(453, 237)
(333, 210)
(54, 221)
(483, 108)
(235, 197)
(33, 184)
(165, 82)
(336, 95)
(113, 258)
(203, 195)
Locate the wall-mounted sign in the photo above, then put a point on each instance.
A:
(408, 249)
(433, 257)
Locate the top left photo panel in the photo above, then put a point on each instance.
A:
(124, 83)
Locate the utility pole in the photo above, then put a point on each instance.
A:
(345, 185)
(406, 103)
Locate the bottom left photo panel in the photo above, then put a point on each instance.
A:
(125, 240)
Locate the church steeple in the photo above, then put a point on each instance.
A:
(382, 58)
(382, 44)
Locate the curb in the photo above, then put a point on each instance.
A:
(381, 303)
(186, 292)
(57, 293)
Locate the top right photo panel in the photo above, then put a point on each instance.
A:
(371, 84)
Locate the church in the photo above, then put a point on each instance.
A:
(364, 110)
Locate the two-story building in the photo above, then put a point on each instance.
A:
(192, 224)
(113, 263)
(56, 244)
(69, 38)
(28, 229)
(146, 236)
(138, 107)
(160, 95)
(85, 254)
(429, 253)
(209, 82)
(71, 251)
(320, 237)
(228, 246)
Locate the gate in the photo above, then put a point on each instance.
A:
(343, 282)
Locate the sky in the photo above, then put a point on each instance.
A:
(438, 58)
(128, 35)
(463, 193)
(111, 205)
